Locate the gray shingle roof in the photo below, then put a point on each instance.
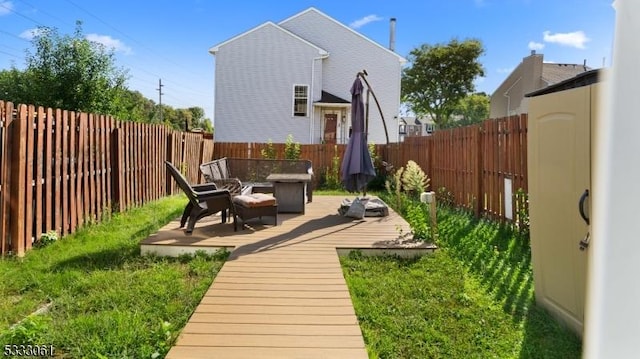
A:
(553, 73)
(331, 98)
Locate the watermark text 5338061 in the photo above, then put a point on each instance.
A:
(28, 350)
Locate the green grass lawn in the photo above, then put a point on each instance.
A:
(473, 298)
(104, 299)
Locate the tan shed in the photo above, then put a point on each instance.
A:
(562, 121)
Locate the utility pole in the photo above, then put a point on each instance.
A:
(160, 97)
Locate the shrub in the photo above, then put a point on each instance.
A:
(268, 152)
(378, 183)
(332, 174)
(292, 150)
(522, 211)
(414, 180)
(46, 239)
(418, 218)
(445, 197)
(394, 187)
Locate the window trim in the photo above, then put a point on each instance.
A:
(294, 98)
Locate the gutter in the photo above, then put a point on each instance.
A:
(312, 110)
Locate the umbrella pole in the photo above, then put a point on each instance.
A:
(363, 75)
(366, 115)
(366, 132)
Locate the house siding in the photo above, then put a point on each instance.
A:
(509, 98)
(531, 74)
(254, 80)
(349, 54)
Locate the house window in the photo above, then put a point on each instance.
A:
(429, 127)
(300, 100)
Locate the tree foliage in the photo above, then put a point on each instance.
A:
(186, 119)
(73, 73)
(440, 76)
(473, 108)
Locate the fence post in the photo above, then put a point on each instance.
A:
(18, 179)
(6, 112)
(171, 157)
(478, 178)
(117, 192)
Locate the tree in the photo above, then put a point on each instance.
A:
(473, 108)
(199, 121)
(133, 106)
(73, 73)
(14, 86)
(440, 76)
(192, 117)
(68, 72)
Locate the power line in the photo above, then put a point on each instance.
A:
(142, 45)
(155, 75)
(176, 84)
(10, 48)
(2, 4)
(44, 12)
(9, 54)
(13, 35)
(108, 25)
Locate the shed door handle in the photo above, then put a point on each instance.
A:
(583, 198)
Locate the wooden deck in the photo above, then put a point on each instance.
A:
(281, 294)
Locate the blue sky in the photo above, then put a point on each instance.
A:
(170, 40)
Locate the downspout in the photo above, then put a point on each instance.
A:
(313, 110)
(506, 94)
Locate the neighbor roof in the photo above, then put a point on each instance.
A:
(331, 98)
(217, 47)
(312, 9)
(583, 79)
(553, 73)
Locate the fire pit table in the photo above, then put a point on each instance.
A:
(289, 190)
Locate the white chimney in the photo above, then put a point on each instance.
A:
(392, 34)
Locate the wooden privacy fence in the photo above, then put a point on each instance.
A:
(470, 163)
(321, 155)
(62, 169)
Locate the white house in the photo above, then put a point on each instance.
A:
(294, 77)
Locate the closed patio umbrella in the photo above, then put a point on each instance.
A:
(357, 167)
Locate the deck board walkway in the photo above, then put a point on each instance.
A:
(281, 293)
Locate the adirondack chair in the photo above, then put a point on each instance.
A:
(204, 200)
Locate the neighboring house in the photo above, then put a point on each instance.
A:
(532, 74)
(410, 126)
(295, 77)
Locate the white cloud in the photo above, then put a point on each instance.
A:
(31, 33)
(109, 42)
(365, 20)
(575, 39)
(535, 46)
(5, 7)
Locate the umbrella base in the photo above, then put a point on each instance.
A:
(374, 207)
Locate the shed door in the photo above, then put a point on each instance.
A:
(559, 173)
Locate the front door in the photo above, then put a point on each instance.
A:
(330, 128)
